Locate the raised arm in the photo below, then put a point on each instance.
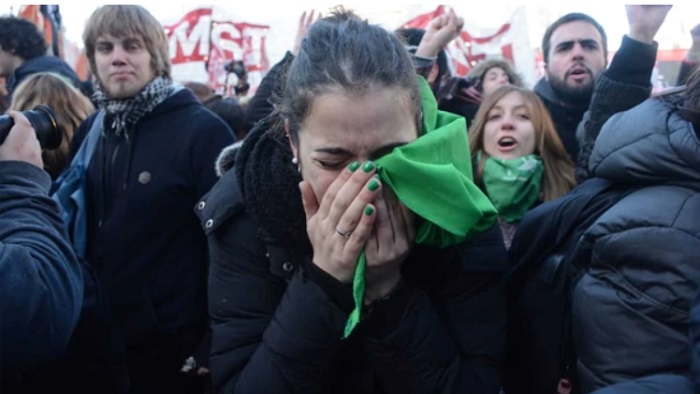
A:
(626, 83)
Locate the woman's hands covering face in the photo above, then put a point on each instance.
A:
(388, 245)
(357, 213)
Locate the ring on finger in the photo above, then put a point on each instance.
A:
(343, 234)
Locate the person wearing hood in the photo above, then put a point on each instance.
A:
(484, 79)
(23, 53)
(333, 267)
(153, 159)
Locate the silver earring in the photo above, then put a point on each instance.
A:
(295, 161)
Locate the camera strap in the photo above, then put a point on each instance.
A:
(87, 148)
(69, 190)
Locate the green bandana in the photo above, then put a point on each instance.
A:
(513, 185)
(432, 176)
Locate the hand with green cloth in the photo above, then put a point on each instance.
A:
(351, 250)
(431, 177)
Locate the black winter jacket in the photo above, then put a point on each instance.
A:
(565, 118)
(144, 242)
(41, 292)
(695, 342)
(277, 320)
(625, 84)
(631, 307)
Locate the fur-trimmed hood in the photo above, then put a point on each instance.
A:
(227, 158)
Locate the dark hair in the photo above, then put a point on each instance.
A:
(691, 96)
(568, 18)
(21, 38)
(690, 109)
(201, 91)
(342, 52)
(231, 112)
(413, 37)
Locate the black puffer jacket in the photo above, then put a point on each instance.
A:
(624, 85)
(277, 319)
(631, 307)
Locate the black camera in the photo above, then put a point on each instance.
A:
(237, 67)
(43, 119)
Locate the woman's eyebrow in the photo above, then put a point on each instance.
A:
(333, 151)
(375, 153)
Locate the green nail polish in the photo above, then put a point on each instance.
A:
(368, 167)
(369, 210)
(354, 166)
(374, 185)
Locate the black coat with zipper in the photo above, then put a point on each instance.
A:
(278, 319)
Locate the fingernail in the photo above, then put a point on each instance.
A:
(354, 166)
(368, 167)
(369, 210)
(373, 185)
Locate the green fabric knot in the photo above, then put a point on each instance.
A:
(432, 176)
(513, 185)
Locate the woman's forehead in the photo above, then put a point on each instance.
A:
(371, 118)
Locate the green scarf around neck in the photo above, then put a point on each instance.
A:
(513, 185)
(432, 176)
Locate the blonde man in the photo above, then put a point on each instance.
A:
(153, 162)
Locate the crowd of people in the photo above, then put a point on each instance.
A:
(366, 222)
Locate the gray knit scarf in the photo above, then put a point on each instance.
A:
(126, 112)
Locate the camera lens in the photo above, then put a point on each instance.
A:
(44, 122)
(48, 131)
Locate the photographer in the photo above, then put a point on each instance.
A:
(237, 67)
(41, 291)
